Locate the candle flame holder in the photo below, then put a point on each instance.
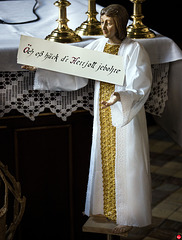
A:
(137, 29)
(63, 33)
(91, 26)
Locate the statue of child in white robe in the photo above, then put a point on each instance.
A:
(119, 184)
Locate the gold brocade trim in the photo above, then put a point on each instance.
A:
(108, 145)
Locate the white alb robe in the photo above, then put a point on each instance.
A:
(132, 169)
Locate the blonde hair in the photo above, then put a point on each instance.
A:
(120, 17)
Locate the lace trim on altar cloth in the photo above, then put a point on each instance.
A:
(159, 91)
(16, 92)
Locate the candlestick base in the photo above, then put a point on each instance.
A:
(63, 36)
(139, 31)
(90, 27)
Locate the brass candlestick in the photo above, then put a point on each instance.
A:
(91, 26)
(137, 29)
(63, 33)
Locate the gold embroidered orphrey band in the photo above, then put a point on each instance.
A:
(108, 145)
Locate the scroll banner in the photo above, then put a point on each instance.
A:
(68, 59)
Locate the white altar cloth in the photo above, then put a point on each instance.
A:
(48, 13)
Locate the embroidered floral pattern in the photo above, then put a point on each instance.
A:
(108, 145)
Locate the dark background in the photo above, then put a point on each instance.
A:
(162, 16)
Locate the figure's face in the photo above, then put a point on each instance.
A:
(108, 27)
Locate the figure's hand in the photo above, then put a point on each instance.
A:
(30, 68)
(113, 99)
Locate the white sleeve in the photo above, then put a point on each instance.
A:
(55, 81)
(134, 93)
